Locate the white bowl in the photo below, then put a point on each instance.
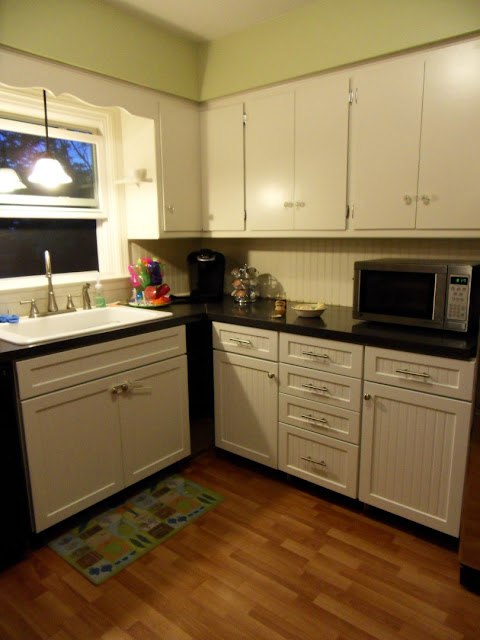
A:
(309, 310)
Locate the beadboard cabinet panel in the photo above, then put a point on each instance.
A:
(414, 450)
(246, 406)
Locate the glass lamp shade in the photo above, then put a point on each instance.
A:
(9, 181)
(49, 173)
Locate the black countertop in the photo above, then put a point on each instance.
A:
(336, 323)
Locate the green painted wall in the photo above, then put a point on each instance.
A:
(92, 35)
(327, 34)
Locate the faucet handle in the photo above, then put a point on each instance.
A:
(34, 312)
(70, 304)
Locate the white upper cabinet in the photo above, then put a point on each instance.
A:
(321, 151)
(296, 157)
(269, 162)
(161, 171)
(386, 121)
(448, 185)
(223, 180)
(180, 147)
(416, 141)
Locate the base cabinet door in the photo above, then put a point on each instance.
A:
(246, 406)
(414, 449)
(154, 418)
(91, 440)
(73, 450)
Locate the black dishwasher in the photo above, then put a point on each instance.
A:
(13, 530)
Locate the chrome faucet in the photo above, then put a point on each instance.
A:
(52, 303)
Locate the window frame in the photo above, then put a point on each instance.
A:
(18, 205)
(73, 113)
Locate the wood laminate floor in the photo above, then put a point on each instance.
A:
(276, 560)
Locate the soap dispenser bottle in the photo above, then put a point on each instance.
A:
(99, 295)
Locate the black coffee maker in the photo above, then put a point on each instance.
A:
(206, 270)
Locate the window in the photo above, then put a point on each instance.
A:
(82, 224)
(21, 143)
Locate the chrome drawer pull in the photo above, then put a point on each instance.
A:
(322, 420)
(413, 373)
(313, 388)
(239, 341)
(322, 463)
(315, 355)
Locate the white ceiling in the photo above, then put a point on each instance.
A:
(207, 19)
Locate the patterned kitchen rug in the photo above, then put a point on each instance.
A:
(102, 546)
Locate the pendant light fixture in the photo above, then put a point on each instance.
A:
(48, 171)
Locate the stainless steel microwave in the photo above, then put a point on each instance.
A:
(418, 292)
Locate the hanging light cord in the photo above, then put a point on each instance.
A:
(46, 119)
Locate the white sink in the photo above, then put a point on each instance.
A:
(76, 323)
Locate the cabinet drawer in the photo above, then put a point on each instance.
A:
(67, 368)
(340, 391)
(430, 374)
(319, 418)
(258, 343)
(326, 355)
(327, 462)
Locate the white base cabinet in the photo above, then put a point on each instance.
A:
(86, 441)
(414, 444)
(246, 392)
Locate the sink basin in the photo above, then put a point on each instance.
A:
(76, 323)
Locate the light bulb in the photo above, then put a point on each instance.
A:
(49, 173)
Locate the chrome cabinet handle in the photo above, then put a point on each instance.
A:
(116, 390)
(367, 396)
(313, 388)
(288, 205)
(239, 341)
(413, 373)
(321, 463)
(425, 199)
(322, 420)
(407, 199)
(271, 374)
(315, 355)
(299, 203)
(133, 386)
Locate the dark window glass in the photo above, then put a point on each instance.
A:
(72, 245)
(392, 293)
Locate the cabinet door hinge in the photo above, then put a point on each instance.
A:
(352, 207)
(244, 118)
(350, 96)
(348, 212)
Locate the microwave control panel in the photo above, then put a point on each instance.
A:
(458, 297)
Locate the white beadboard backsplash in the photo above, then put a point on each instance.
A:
(309, 270)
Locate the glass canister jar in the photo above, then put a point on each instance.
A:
(244, 284)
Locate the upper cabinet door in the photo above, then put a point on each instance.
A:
(180, 147)
(321, 153)
(223, 180)
(269, 162)
(450, 150)
(386, 121)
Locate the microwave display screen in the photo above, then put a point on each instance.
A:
(397, 293)
(459, 280)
